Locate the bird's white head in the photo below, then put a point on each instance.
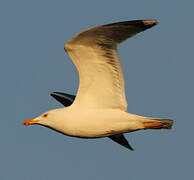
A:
(47, 119)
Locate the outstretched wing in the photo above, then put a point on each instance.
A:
(94, 53)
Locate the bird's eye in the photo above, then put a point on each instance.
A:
(45, 115)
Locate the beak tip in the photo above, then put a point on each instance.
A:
(25, 123)
(29, 122)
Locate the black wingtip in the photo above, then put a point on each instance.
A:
(148, 23)
(63, 98)
(120, 139)
(144, 24)
(130, 148)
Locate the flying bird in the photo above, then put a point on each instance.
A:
(100, 107)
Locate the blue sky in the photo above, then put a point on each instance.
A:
(158, 65)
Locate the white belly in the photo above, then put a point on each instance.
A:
(97, 123)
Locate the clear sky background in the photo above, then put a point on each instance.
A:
(159, 75)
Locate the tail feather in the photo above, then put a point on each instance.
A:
(158, 124)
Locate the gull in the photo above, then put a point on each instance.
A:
(100, 107)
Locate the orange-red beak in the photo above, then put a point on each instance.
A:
(29, 122)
